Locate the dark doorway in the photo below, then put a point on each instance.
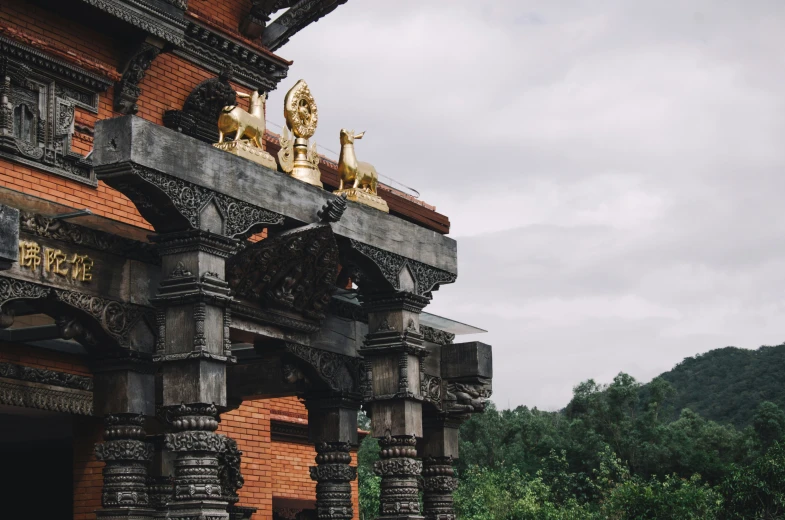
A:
(37, 454)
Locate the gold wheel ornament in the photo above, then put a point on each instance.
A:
(300, 111)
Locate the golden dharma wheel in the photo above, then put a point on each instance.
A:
(299, 109)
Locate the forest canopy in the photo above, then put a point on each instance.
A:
(703, 441)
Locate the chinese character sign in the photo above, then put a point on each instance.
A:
(54, 261)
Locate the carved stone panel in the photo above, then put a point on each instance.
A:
(294, 271)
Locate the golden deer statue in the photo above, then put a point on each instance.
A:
(359, 174)
(244, 124)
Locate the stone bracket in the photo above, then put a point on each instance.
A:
(339, 373)
(171, 204)
(127, 91)
(381, 270)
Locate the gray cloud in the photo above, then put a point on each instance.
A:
(612, 169)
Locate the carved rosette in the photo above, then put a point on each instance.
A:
(333, 475)
(126, 455)
(400, 472)
(439, 483)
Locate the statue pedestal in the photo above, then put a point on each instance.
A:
(364, 197)
(243, 148)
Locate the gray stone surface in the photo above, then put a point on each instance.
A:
(467, 360)
(130, 139)
(9, 236)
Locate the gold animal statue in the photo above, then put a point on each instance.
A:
(243, 124)
(358, 174)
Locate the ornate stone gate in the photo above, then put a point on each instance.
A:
(161, 321)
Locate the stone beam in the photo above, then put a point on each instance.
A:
(127, 143)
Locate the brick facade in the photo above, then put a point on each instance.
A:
(272, 470)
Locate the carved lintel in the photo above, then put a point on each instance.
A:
(92, 320)
(127, 91)
(437, 336)
(27, 394)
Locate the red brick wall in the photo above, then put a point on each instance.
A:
(273, 469)
(88, 479)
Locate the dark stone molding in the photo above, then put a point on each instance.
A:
(210, 49)
(213, 51)
(258, 315)
(39, 225)
(56, 67)
(282, 431)
(171, 204)
(165, 23)
(27, 394)
(299, 16)
(294, 271)
(340, 373)
(437, 336)
(96, 322)
(127, 91)
(381, 270)
(252, 25)
(46, 377)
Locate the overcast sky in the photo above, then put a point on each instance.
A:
(613, 170)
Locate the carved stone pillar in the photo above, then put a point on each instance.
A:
(193, 351)
(124, 394)
(126, 455)
(332, 427)
(393, 354)
(439, 449)
(333, 475)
